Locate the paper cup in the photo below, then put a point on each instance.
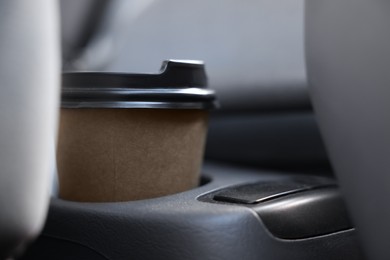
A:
(132, 136)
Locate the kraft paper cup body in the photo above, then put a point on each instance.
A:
(108, 153)
(129, 154)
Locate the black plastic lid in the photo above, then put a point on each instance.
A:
(179, 85)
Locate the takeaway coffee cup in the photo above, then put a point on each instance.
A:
(132, 136)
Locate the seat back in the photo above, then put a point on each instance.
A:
(348, 58)
(29, 85)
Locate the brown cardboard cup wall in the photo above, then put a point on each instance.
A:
(109, 155)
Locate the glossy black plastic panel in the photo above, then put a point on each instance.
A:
(305, 214)
(263, 191)
(291, 208)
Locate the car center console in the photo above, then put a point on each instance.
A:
(236, 213)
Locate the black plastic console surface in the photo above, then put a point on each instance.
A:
(180, 226)
(291, 208)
